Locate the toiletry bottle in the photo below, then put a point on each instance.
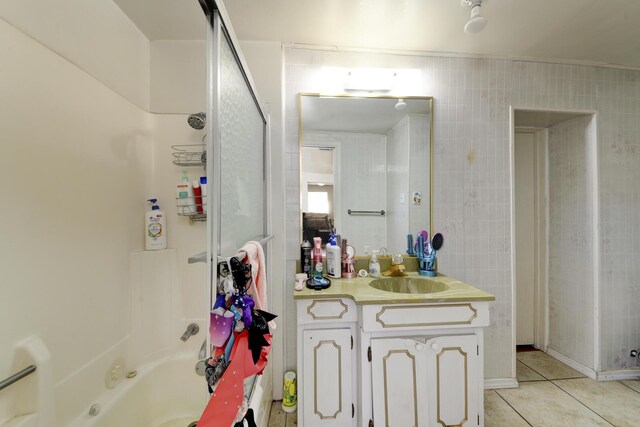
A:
(197, 196)
(155, 228)
(305, 257)
(317, 257)
(374, 265)
(333, 258)
(186, 202)
(203, 191)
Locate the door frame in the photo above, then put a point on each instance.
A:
(593, 149)
(337, 192)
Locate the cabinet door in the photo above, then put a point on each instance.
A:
(327, 372)
(453, 380)
(398, 376)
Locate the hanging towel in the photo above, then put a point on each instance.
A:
(258, 288)
(227, 399)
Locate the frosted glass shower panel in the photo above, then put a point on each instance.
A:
(242, 142)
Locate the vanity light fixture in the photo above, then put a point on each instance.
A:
(370, 80)
(400, 105)
(476, 21)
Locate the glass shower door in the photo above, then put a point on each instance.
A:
(236, 148)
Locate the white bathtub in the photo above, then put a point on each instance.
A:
(166, 393)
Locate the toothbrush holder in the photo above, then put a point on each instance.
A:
(427, 265)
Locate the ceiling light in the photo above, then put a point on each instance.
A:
(400, 105)
(476, 22)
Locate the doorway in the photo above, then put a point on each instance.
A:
(554, 235)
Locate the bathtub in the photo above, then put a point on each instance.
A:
(168, 393)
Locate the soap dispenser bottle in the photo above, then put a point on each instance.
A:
(374, 265)
(155, 228)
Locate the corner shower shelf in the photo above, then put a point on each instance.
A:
(195, 209)
(189, 155)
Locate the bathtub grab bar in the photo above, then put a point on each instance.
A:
(17, 376)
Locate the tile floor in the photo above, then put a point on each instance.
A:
(554, 394)
(551, 394)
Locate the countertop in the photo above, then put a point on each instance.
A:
(359, 290)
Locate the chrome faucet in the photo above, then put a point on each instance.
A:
(192, 329)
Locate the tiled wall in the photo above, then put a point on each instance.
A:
(418, 172)
(361, 179)
(571, 270)
(397, 216)
(472, 177)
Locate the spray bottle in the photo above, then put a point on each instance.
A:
(317, 257)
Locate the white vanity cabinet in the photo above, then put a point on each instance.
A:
(377, 359)
(425, 381)
(326, 357)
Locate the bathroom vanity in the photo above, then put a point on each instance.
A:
(408, 352)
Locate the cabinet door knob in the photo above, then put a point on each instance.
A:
(435, 346)
(419, 347)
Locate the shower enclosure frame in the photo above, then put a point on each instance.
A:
(217, 33)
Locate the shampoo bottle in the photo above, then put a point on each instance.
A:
(197, 196)
(374, 265)
(317, 257)
(155, 228)
(203, 190)
(334, 261)
(186, 201)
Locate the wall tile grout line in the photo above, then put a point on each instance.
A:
(514, 409)
(574, 398)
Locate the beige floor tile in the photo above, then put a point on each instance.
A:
(278, 417)
(634, 384)
(613, 401)
(547, 366)
(525, 373)
(292, 419)
(543, 404)
(498, 413)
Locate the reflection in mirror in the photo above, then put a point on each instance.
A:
(365, 169)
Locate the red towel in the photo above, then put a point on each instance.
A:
(227, 399)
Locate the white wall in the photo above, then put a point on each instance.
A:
(472, 177)
(178, 75)
(96, 36)
(362, 181)
(571, 267)
(77, 164)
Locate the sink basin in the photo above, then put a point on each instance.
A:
(408, 285)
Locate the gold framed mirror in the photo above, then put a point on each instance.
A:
(366, 168)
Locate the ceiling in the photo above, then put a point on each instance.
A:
(361, 115)
(589, 31)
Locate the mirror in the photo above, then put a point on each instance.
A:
(365, 169)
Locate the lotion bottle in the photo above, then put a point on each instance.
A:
(374, 265)
(155, 228)
(334, 268)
